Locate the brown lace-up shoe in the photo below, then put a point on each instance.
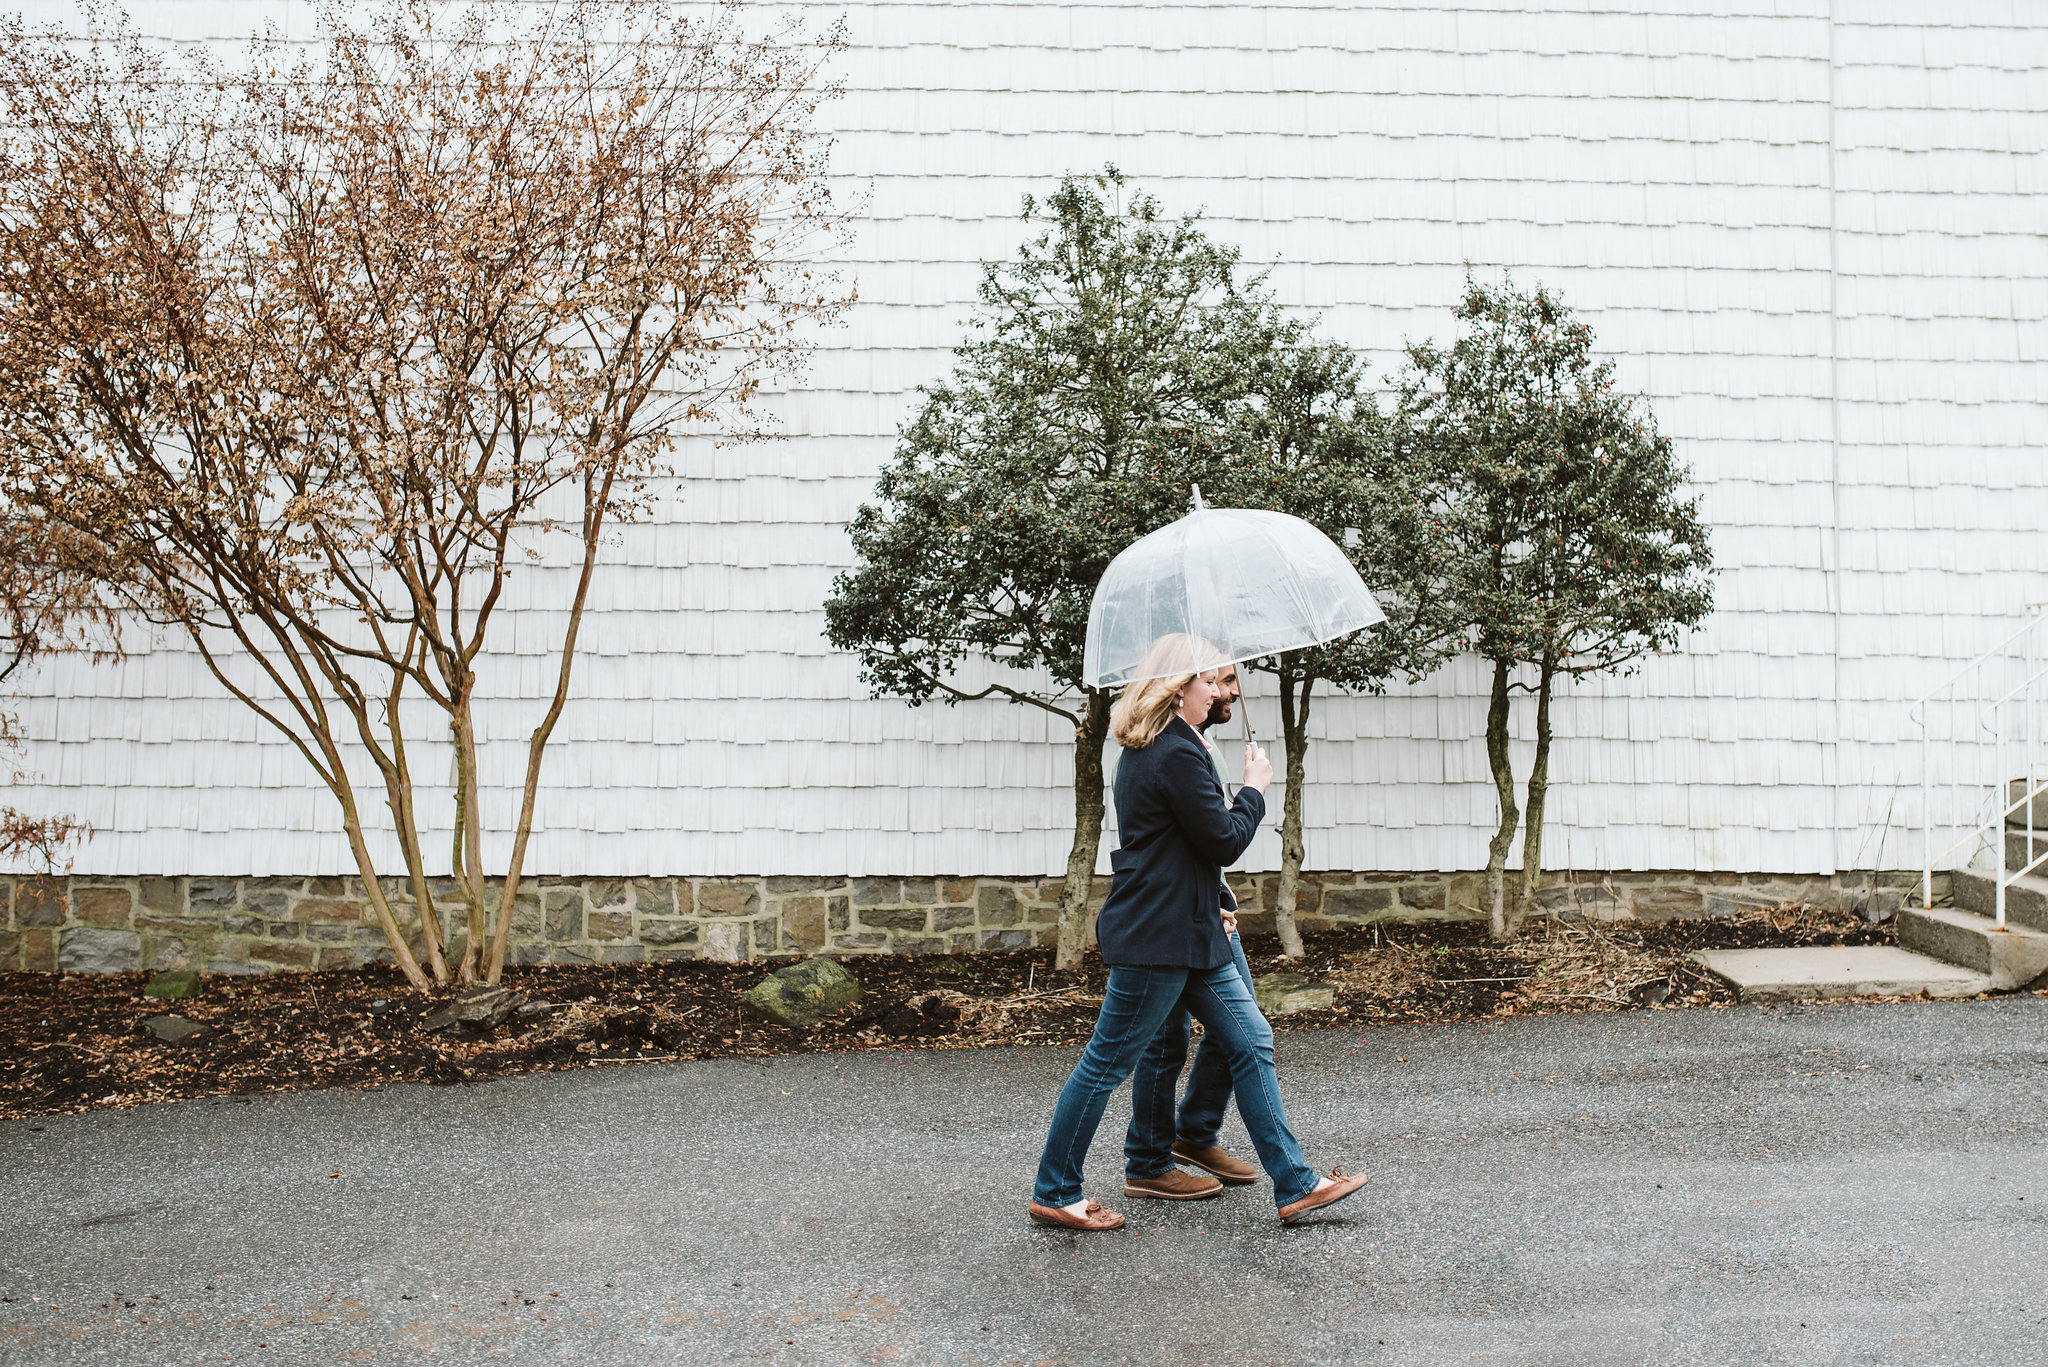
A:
(1215, 1160)
(1173, 1185)
(1340, 1187)
(1096, 1219)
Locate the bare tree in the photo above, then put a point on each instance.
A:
(321, 348)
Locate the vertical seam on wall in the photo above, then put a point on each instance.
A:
(1834, 574)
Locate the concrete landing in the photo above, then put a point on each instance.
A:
(1787, 975)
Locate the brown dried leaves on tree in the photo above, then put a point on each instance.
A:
(321, 349)
(51, 601)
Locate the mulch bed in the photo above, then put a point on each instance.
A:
(77, 1042)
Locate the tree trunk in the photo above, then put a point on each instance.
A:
(352, 826)
(404, 818)
(468, 869)
(596, 498)
(1294, 735)
(1504, 790)
(321, 750)
(396, 772)
(1088, 806)
(400, 800)
(1539, 788)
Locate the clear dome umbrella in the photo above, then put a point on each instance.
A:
(1220, 586)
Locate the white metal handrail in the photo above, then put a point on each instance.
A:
(1984, 750)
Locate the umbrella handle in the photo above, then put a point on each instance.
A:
(1245, 716)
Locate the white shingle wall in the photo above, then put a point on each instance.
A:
(1818, 249)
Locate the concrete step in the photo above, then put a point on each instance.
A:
(2012, 957)
(2015, 794)
(2026, 901)
(1792, 975)
(2020, 850)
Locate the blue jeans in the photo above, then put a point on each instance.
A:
(1148, 1148)
(1137, 1004)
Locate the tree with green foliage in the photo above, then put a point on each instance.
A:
(1569, 542)
(1313, 444)
(1104, 366)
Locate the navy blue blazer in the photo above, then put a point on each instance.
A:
(1175, 835)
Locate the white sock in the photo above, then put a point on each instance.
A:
(1079, 1210)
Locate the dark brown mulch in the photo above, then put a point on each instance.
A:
(75, 1042)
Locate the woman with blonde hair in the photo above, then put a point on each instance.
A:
(1162, 935)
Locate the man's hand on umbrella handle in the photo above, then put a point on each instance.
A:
(1258, 770)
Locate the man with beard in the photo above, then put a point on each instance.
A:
(1158, 1139)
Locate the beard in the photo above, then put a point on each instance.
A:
(1219, 712)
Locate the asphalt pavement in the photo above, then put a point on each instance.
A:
(1821, 1184)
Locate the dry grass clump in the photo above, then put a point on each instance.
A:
(1577, 966)
(1385, 972)
(953, 1014)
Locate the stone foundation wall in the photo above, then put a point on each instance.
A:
(263, 925)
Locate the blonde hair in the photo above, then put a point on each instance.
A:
(1144, 707)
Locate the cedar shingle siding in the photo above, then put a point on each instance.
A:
(1793, 307)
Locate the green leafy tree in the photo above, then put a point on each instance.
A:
(1570, 545)
(1104, 364)
(1313, 445)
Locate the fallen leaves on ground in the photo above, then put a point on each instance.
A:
(74, 1042)
(1435, 971)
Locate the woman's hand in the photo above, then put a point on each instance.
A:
(1258, 770)
(1229, 921)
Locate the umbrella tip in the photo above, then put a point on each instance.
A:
(1196, 503)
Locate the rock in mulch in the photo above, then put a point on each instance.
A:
(1282, 994)
(802, 994)
(480, 1009)
(178, 983)
(172, 1029)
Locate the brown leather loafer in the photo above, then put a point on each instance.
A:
(1340, 1187)
(1215, 1160)
(1173, 1185)
(1096, 1219)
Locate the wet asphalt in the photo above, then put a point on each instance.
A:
(1826, 1184)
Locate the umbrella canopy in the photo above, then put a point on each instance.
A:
(1220, 586)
